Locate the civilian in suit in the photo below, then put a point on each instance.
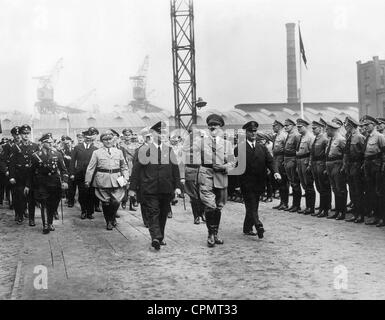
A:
(217, 158)
(80, 159)
(253, 180)
(156, 175)
(106, 166)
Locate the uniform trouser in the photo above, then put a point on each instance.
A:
(192, 190)
(355, 179)
(49, 205)
(292, 175)
(109, 210)
(157, 208)
(86, 197)
(307, 181)
(337, 181)
(284, 183)
(251, 199)
(71, 191)
(374, 187)
(213, 199)
(322, 184)
(21, 202)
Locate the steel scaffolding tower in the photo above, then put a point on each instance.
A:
(183, 54)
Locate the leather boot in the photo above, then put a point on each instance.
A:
(105, 212)
(211, 238)
(132, 204)
(323, 214)
(216, 238)
(284, 207)
(341, 216)
(278, 206)
(195, 212)
(44, 219)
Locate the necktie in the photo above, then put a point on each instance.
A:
(299, 143)
(348, 143)
(329, 146)
(313, 147)
(109, 152)
(366, 142)
(214, 150)
(159, 155)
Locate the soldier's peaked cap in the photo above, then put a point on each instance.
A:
(350, 121)
(106, 135)
(115, 133)
(127, 130)
(317, 124)
(276, 122)
(337, 121)
(250, 125)
(332, 125)
(323, 122)
(47, 137)
(380, 120)
(302, 122)
(215, 118)
(157, 127)
(289, 121)
(15, 130)
(368, 120)
(25, 128)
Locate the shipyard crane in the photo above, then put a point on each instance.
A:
(139, 81)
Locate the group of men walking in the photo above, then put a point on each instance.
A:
(336, 157)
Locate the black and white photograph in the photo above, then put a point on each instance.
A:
(199, 151)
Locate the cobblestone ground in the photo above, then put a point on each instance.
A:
(301, 257)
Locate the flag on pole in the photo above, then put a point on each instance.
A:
(302, 48)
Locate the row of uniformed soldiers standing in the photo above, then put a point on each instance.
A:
(333, 161)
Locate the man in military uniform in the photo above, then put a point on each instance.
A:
(318, 168)
(290, 150)
(129, 146)
(218, 159)
(192, 163)
(253, 181)
(80, 159)
(334, 167)
(303, 165)
(353, 161)
(374, 168)
(66, 151)
(6, 156)
(108, 174)
(19, 170)
(156, 173)
(278, 155)
(48, 177)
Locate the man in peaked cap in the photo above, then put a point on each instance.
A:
(374, 168)
(6, 153)
(381, 125)
(353, 161)
(304, 165)
(290, 149)
(80, 159)
(66, 151)
(253, 180)
(218, 159)
(215, 118)
(49, 178)
(278, 156)
(318, 168)
(108, 174)
(156, 175)
(19, 170)
(334, 167)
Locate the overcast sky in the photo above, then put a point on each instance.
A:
(240, 49)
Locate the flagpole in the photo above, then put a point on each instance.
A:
(300, 74)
